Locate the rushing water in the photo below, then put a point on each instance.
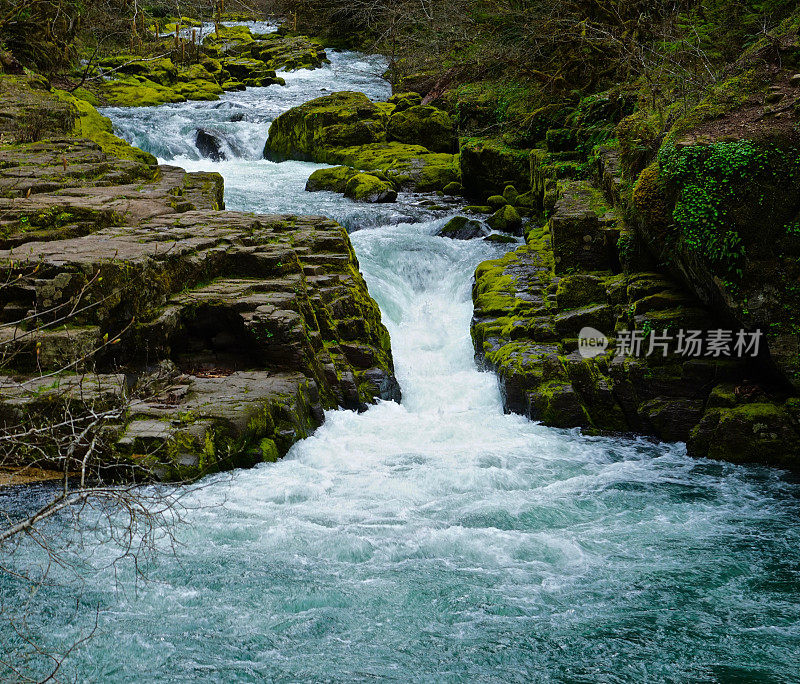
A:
(440, 540)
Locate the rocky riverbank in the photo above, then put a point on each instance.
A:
(700, 239)
(214, 339)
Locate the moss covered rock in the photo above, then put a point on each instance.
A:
(506, 219)
(92, 125)
(749, 433)
(423, 125)
(408, 167)
(488, 165)
(403, 101)
(252, 72)
(315, 130)
(347, 129)
(333, 179)
(364, 187)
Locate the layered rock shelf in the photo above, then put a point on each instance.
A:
(217, 339)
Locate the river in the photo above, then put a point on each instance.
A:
(440, 540)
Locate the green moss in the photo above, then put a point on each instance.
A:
(364, 187)
(724, 98)
(759, 432)
(423, 125)
(580, 290)
(650, 200)
(94, 126)
(333, 179)
(133, 91)
(489, 164)
(639, 137)
(506, 219)
(404, 101)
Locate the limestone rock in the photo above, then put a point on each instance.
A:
(223, 336)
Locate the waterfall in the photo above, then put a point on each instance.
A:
(441, 540)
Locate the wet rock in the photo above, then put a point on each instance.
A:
(463, 228)
(501, 239)
(339, 120)
(209, 146)
(749, 433)
(347, 128)
(525, 327)
(235, 331)
(334, 179)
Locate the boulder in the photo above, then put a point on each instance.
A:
(407, 167)
(510, 194)
(403, 101)
(252, 72)
(496, 201)
(463, 228)
(209, 145)
(757, 432)
(364, 187)
(315, 130)
(506, 219)
(333, 179)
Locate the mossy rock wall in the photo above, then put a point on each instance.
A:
(488, 165)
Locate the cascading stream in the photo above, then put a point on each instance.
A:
(440, 540)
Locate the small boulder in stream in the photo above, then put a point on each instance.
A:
(463, 228)
(209, 145)
(364, 187)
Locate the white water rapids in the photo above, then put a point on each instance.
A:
(441, 540)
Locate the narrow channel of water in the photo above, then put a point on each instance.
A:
(441, 540)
